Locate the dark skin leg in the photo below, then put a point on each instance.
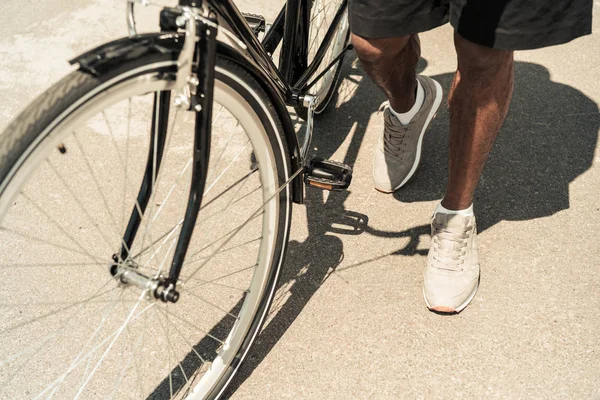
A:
(478, 101)
(391, 63)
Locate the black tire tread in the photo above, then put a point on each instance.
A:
(41, 112)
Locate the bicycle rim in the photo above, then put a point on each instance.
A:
(71, 330)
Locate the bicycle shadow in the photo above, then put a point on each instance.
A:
(527, 177)
(310, 262)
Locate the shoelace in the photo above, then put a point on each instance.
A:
(394, 135)
(450, 247)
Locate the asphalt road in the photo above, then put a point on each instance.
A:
(349, 320)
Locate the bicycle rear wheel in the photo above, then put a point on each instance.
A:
(70, 169)
(321, 16)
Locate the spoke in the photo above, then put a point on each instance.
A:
(95, 349)
(169, 356)
(219, 157)
(59, 303)
(154, 156)
(125, 363)
(323, 10)
(58, 246)
(175, 184)
(163, 236)
(175, 240)
(224, 250)
(316, 37)
(34, 348)
(116, 336)
(40, 265)
(170, 349)
(240, 182)
(212, 304)
(123, 165)
(213, 282)
(206, 247)
(94, 223)
(162, 264)
(168, 345)
(185, 340)
(233, 232)
(231, 200)
(162, 244)
(12, 328)
(248, 194)
(184, 289)
(217, 213)
(135, 360)
(193, 326)
(105, 314)
(181, 220)
(226, 168)
(96, 183)
(41, 210)
(126, 174)
(215, 119)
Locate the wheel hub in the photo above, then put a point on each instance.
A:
(128, 274)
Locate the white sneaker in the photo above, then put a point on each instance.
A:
(451, 277)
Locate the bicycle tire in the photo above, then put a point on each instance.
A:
(28, 141)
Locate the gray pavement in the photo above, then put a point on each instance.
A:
(349, 320)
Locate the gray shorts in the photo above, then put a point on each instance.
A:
(502, 24)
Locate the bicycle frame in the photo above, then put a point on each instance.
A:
(291, 26)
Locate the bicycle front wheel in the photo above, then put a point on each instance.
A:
(71, 166)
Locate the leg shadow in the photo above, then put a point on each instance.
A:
(547, 140)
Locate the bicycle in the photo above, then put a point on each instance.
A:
(120, 282)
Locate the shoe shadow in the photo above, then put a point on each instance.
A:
(527, 177)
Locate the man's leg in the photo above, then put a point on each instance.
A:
(391, 63)
(478, 99)
(413, 101)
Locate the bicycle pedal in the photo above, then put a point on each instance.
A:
(328, 174)
(257, 22)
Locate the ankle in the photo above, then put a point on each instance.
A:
(406, 113)
(448, 209)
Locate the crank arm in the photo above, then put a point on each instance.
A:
(309, 101)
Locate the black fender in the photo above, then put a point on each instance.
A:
(109, 56)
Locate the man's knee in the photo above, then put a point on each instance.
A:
(375, 51)
(477, 60)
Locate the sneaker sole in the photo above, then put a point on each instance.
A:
(436, 104)
(450, 310)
